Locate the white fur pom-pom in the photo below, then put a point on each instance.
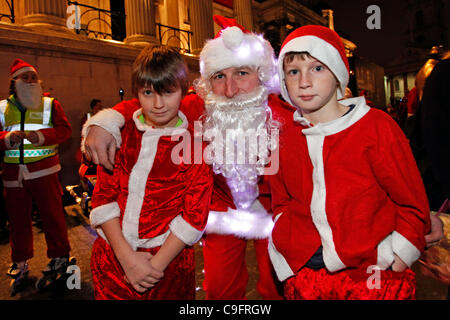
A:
(232, 37)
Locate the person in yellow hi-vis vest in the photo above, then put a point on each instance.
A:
(32, 126)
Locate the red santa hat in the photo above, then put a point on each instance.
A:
(321, 43)
(19, 66)
(234, 46)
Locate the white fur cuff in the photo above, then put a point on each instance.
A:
(8, 142)
(41, 139)
(280, 265)
(184, 231)
(108, 119)
(404, 249)
(104, 213)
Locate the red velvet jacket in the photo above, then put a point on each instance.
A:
(149, 192)
(350, 185)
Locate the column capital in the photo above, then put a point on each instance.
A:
(140, 23)
(48, 14)
(140, 40)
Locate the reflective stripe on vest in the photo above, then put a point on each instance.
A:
(29, 153)
(34, 120)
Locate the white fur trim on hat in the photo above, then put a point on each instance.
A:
(320, 50)
(23, 70)
(235, 48)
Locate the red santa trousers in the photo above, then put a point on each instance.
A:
(226, 273)
(109, 281)
(351, 284)
(46, 194)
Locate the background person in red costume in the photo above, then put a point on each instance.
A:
(237, 76)
(32, 127)
(150, 211)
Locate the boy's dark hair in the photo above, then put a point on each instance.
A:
(291, 55)
(94, 102)
(160, 67)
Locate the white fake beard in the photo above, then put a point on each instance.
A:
(233, 124)
(29, 94)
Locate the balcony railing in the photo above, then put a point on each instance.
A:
(174, 37)
(103, 19)
(9, 16)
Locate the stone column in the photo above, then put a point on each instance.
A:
(50, 14)
(328, 14)
(202, 24)
(140, 22)
(243, 13)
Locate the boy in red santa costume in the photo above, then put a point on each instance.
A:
(357, 223)
(152, 208)
(238, 72)
(32, 127)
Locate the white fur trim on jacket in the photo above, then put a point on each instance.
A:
(254, 223)
(184, 231)
(404, 249)
(315, 136)
(25, 174)
(41, 139)
(139, 175)
(110, 120)
(8, 143)
(282, 268)
(318, 204)
(103, 213)
(385, 254)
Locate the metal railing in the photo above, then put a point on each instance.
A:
(101, 17)
(169, 35)
(9, 16)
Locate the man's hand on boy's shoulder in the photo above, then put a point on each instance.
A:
(100, 147)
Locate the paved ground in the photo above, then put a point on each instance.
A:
(82, 237)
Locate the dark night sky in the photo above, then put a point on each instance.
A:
(379, 46)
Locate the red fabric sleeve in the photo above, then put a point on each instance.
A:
(127, 108)
(61, 130)
(2, 139)
(396, 171)
(106, 187)
(198, 196)
(280, 196)
(193, 107)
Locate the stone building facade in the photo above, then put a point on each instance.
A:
(85, 49)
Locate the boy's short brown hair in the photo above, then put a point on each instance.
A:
(291, 55)
(161, 68)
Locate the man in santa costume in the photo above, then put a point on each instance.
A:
(237, 76)
(32, 128)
